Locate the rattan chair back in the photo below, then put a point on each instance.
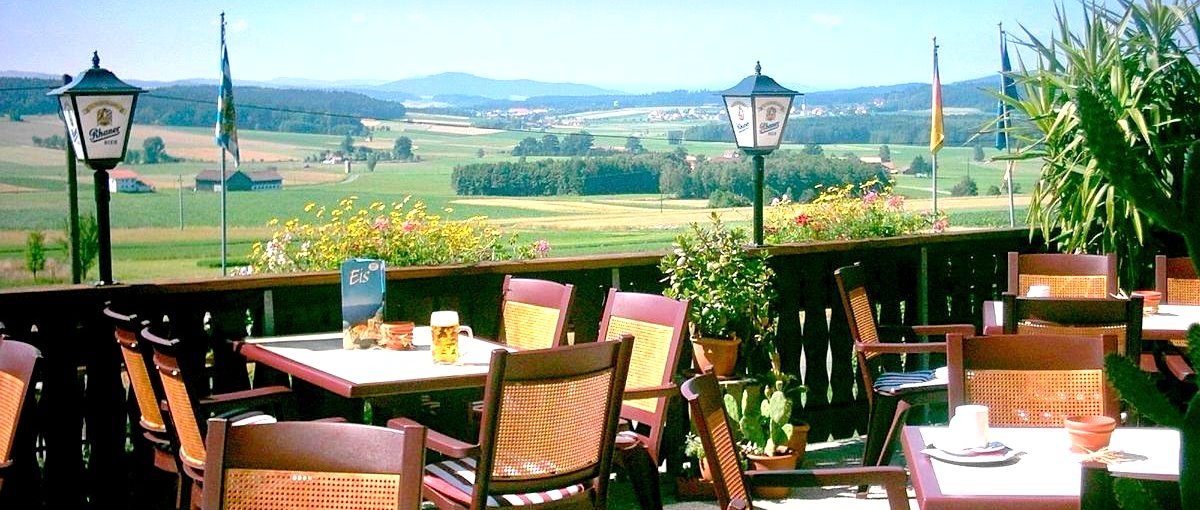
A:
(720, 451)
(534, 313)
(1031, 380)
(659, 325)
(313, 465)
(1068, 275)
(181, 399)
(1176, 279)
(550, 419)
(860, 317)
(147, 390)
(17, 363)
(1119, 317)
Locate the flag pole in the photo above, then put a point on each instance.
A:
(936, 133)
(224, 182)
(1012, 214)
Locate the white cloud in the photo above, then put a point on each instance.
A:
(237, 26)
(830, 20)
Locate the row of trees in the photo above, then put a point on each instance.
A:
(789, 172)
(574, 144)
(901, 129)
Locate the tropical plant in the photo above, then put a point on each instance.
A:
(1114, 115)
(401, 233)
(729, 287)
(847, 212)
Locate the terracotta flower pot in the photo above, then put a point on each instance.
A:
(1089, 433)
(773, 463)
(718, 355)
(799, 441)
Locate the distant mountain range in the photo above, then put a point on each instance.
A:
(463, 90)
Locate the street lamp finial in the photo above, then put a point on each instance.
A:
(757, 68)
(95, 60)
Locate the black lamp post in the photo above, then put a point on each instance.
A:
(97, 108)
(758, 110)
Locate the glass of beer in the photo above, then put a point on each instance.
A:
(444, 328)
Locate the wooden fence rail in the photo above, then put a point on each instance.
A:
(83, 410)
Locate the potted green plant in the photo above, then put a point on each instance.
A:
(729, 288)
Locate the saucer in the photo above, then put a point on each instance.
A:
(991, 447)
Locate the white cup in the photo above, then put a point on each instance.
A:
(969, 426)
(1038, 291)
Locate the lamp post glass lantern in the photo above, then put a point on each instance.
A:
(758, 109)
(97, 108)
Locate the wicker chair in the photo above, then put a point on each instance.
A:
(312, 465)
(547, 435)
(533, 313)
(1081, 316)
(892, 393)
(1176, 279)
(730, 482)
(190, 405)
(1067, 274)
(147, 392)
(659, 324)
(1054, 376)
(18, 362)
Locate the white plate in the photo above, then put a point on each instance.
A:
(994, 453)
(422, 335)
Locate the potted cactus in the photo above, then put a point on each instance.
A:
(761, 414)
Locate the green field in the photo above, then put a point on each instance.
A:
(148, 242)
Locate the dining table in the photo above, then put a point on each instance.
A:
(1039, 471)
(1171, 322)
(319, 359)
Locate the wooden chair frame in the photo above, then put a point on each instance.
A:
(888, 408)
(1085, 316)
(1176, 279)
(1052, 266)
(312, 465)
(521, 372)
(1021, 363)
(730, 481)
(653, 367)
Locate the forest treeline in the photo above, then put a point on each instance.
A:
(895, 129)
(667, 173)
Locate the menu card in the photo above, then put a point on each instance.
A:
(362, 302)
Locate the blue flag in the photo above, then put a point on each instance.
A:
(226, 117)
(1008, 88)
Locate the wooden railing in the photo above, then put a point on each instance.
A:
(83, 401)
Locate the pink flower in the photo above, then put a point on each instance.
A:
(801, 220)
(408, 226)
(381, 223)
(541, 247)
(870, 198)
(941, 224)
(896, 201)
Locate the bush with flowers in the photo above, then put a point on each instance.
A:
(845, 212)
(401, 234)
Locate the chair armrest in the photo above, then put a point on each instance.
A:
(663, 390)
(268, 395)
(438, 441)
(938, 347)
(944, 329)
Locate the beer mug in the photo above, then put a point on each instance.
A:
(444, 329)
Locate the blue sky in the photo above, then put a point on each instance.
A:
(630, 45)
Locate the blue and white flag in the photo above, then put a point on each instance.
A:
(1008, 88)
(226, 117)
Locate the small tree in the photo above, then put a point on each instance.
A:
(885, 153)
(89, 242)
(153, 150)
(813, 149)
(674, 137)
(372, 160)
(14, 116)
(35, 253)
(978, 156)
(402, 149)
(347, 146)
(920, 166)
(479, 153)
(965, 188)
(634, 145)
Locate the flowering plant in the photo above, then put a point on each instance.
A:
(844, 212)
(401, 234)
